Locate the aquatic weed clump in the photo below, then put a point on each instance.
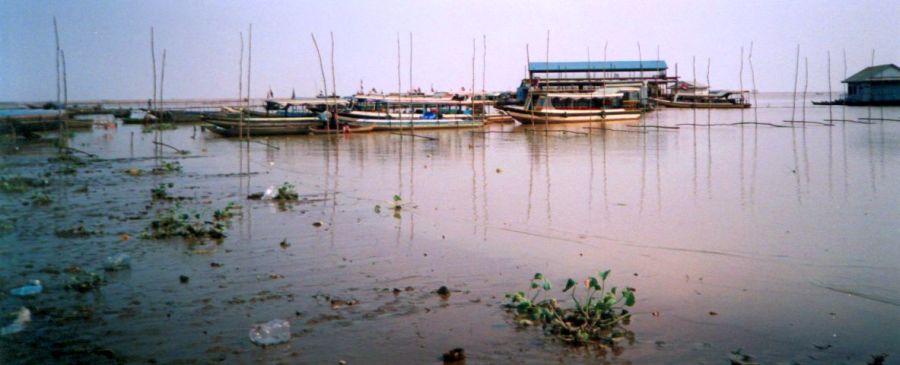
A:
(21, 184)
(161, 192)
(174, 223)
(40, 199)
(287, 192)
(598, 316)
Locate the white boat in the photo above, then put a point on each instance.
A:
(582, 107)
(400, 112)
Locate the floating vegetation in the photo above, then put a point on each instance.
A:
(66, 158)
(157, 127)
(161, 192)
(84, 281)
(173, 223)
(40, 199)
(287, 192)
(78, 231)
(7, 226)
(21, 184)
(227, 213)
(167, 167)
(596, 317)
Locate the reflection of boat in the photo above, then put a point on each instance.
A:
(346, 129)
(398, 112)
(687, 95)
(572, 107)
(24, 121)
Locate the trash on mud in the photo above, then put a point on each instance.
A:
(284, 243)
(444, 292)
(738, 358)
(77, 231)
(270, 333)
(32, 288)
(18, 325)
(84, 281)
(117, 262)
(455, 355)
(183, 279)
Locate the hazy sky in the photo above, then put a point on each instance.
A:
(107, 43)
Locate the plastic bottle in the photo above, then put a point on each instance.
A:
(270, 333)
(33, 288)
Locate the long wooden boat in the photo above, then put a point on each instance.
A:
(711, 104)
(401, 112)
(256, 126)
(31, 121)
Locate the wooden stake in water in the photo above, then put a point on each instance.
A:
(321, 65)
(530, 98)
(153, 60)
(65, 80)
(56, 55)
(249, 64)
(547, 68)
(241, 90)
(333, 87)
(472, 99)
(162, 80)
(796, 77)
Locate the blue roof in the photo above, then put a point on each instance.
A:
(598, 66)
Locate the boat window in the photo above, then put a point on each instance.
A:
(583, 104)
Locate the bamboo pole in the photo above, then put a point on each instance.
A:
(162, 80)
(399, 84)
(547, 68)
(472, 98)
(65, 80)
(412, 126)
(530, 98)
(241, 90)
(741, 82)
(321, 65)
(753, 81)
(333, 87)
(249, 64)
(56, 55)
(830, 96)
(153, 59)
(708, 87)
(796, 78)
(805, 88)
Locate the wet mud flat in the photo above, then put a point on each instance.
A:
(728, 247)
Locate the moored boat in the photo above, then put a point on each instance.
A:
(574, 107)
(400, 112)
(687, 95)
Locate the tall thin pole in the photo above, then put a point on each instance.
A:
(321, 65)
(805, 88)
(472, 99)
(241, 90)
(410, 63)
(796, 78)
(333, 87)
(65, 80)
(162, 80)
(249, 64)
(830, 116)
(530, 98)
(399, 80)
(483, 63)
(547, 68)
(153, 59)
(57, 56)
(753, 81)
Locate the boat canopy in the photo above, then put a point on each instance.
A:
(455, 100)
(284, 103)
(597, 94)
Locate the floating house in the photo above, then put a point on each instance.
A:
(588, 76)
(876, 85)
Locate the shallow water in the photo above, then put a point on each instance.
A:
(789, 235)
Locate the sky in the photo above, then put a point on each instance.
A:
(107, 43)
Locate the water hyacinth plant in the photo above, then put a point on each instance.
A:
(597, 316)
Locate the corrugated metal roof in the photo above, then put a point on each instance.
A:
(888, 72)
(598, 66)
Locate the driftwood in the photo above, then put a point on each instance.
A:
(172, 147)
(885, 119)
(616, 130)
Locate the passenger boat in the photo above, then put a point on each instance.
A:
(601, 105)
(687, 95)
(400, 112)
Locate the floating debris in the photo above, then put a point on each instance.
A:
(455, 355)
(83, 281)
(33, 287)
(284, 243)
(183, 279)
(117, 262)
(23, 316)
(271, 333)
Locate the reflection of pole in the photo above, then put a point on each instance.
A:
(803, 124)
(249, 64)
(830, 120)
(241, 92)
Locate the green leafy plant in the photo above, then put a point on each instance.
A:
(40, 199)
(167, 167)
(287, 192)
(174, 223)
(596, 316)
(21, 184)
(161, 192)
(227, 213)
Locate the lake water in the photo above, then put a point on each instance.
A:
(780, 242)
